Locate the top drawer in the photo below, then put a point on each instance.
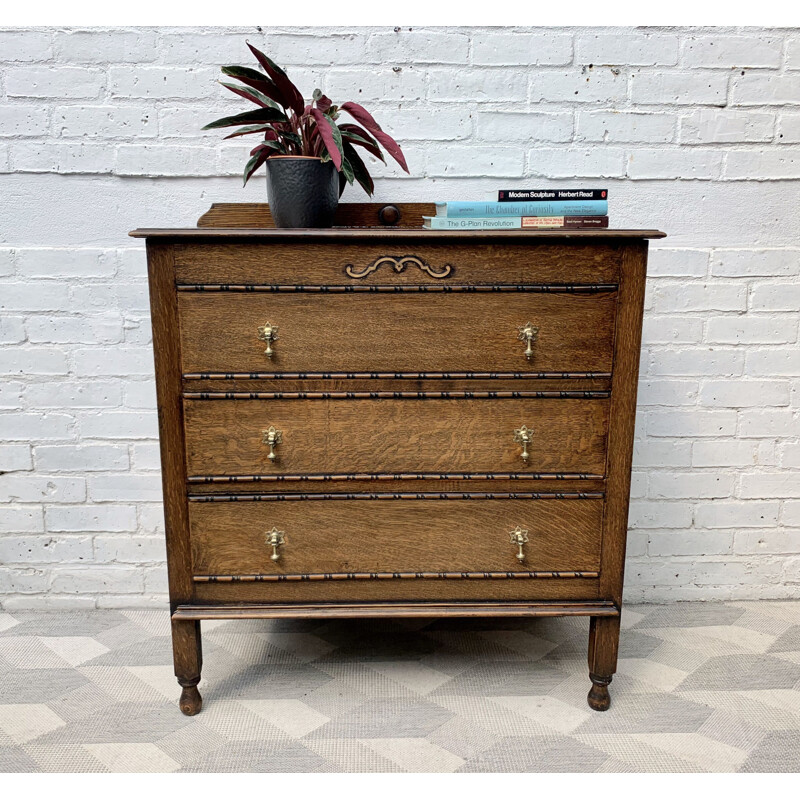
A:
(406, 329)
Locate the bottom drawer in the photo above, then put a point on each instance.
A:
(354, 538)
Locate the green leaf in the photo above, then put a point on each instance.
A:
(360, 171)
(254, 163)
(251, 94)
(347, 171)
(248, 129)
(249, 117)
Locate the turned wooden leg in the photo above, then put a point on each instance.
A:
(187, 653)
(603, 646)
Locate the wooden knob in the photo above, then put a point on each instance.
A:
(389, 215)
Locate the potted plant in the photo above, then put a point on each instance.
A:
(310, 157)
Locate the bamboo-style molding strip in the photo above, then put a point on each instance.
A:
(378, 395)
(564, 288)
(557, 608)
(255, 498)
(207, 376)
(402, 476)
(372, 576)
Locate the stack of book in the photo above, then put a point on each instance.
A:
(525, 208)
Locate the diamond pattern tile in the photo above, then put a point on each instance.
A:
(700, 687)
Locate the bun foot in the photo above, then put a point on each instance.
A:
(599, 698)
(191, 702)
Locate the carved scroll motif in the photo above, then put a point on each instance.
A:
(399, 263)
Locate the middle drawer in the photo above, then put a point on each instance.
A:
(348, 436)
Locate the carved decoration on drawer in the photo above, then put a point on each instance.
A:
(399, 263)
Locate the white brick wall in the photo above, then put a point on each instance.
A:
(695, 131)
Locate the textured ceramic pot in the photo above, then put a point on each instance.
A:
(302, 191)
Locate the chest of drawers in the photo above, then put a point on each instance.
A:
(384, 421)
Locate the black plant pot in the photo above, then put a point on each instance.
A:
(303, 192)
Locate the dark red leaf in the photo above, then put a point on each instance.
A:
(360, 137)
(360, 171)
(251, 94)
(254, 163)
(292, 95)
(257, 80)
(330, 134)
(360, 114)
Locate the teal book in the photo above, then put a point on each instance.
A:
(539, 208)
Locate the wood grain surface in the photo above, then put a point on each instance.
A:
(352, 536)
(397, 333)
(324, 263)
(224, 437)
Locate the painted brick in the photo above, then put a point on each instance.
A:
(406, 46)
(11, 394)
(477, 85)
(707, 126)
(33, 361)
(776, 296)
(724, 453)
(769, 422)
(499, 49)
(759, 89)
(12, 330)
(97, 579)
(26, 519)
(418, 123)
(498, 126)
(15, 457)
(81, 458)
(349, 48)
(670, 392)
(146, 456)
(790, 454)
(58, 82)
(789, 128)
(156, 160)
(101, 362)
(455, 160)
(770, 363)
(86, 330)
(212, 48)
(754, 50)
(105, 122)
(23, 120)
(564, 163)
(771, 541)
(120, 425)
(25, 45)
(683, 164)
(140, 394)
(691, 423)
(34, 296)
(664, 87)
(653, 514)
(759, 485)
(700, 543)
(791, 513)
(720, 361)
(125, 487)
(130, 549)
(20, 488)
(672, 330)
(578, 85)
(756, 263)
(744, 394)
(103, 46)
(380, 83)
(662, 453)
(68, 394)
(767, 164)
(32, 426)
(88, 519)
(44, 549)
(77, 157)
(73, 262)
(624, 126)
(630, 48)
(716, 296)
(161, 82)
(687, 485)
(736, 514)
(752, 330)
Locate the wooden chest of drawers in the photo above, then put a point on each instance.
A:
(386, 421)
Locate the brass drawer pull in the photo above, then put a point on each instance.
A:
(528, 334)
(275, 539)
(524, 436)
(268, 333)
(519, 537)
(272, 437)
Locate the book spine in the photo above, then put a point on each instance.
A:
(531, 195)
(467, 223)
(553, 208)
(505, 223)
(564, 222)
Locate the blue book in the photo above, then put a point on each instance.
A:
(553, 208)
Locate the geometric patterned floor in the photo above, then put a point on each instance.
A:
(700, 687)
